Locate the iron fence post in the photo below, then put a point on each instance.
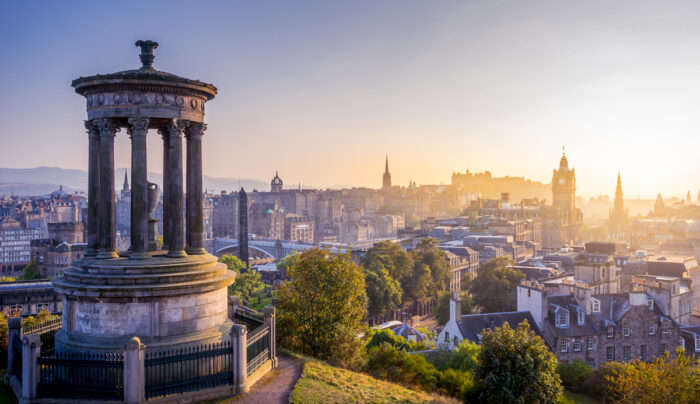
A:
(270, 322)
(134, 373)
(239, 363)
(31, 349)
(14, 325)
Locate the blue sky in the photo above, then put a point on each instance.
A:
(321, 91)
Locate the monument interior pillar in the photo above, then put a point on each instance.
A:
(166, 188)
(93, 237)
(175, 194)
(138, 130)
(108, 246)
(195, 212)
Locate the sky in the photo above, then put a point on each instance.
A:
(322, 91)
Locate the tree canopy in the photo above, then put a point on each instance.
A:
(232, 262)
(246, 282)
(494, 288)
(442, 311)
(516, 366)
(322, 305)
(383, 292)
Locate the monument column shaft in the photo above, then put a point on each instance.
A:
(139, 188)
(108, 245)
(93, 237)
(175, 193)
(195, 212)
(166, 188)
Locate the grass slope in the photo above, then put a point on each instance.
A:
(321, 383)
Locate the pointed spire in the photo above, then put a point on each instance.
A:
(619, 182)
(126, 181)
(386, 167)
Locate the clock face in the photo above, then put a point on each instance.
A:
(562, 181)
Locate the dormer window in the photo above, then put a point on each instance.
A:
(650, 304)
(561, 319)
(595, 305)
(581, 317)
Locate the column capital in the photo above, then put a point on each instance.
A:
(175, 127)
(107, 126)
(195, 130)
(138, 126)
(91, 129)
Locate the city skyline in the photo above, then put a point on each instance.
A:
(497, 86)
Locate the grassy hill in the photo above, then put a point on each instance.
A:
(321, 383)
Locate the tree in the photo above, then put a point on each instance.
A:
(515, 366)
(392, 257)
(442, 311)
(322, 306)
(419, 287)
(232, 262)
(383, 291)
(664, 380)
(428, 253)
(30, 272)
(246, 284)
(494, 288)
(287, 262)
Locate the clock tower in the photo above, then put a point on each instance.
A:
(564, 186)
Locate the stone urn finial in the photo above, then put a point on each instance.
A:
(147, 53)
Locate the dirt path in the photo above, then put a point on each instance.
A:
(276, 386)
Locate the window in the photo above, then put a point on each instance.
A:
(591, 363)
(611, 332)
(642, 352)
(681, 343)
(564, 345)
(697, 343)
(650, 304)
(665, 327)
(590, 342)
(581, 317)
(626, 353)
(42, 306)
(595, 305)
(562, 319)
(577, 344)
(16, 308)
(662, 349)
(447, 336)
(652, 328)
(610, 353)
(626, 329)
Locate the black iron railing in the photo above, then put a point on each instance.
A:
(46, 331)
(16, 366)
(81, 376)
(251, 319)
(258, 348)
(188, 369)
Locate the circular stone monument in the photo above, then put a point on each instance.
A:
(168, 298)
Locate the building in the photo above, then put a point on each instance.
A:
(299, 228)
(276, 183)
(562, 222)
(61, 250)
(15, 245)
(224, 215)
(618, 220)
(29, 297)
(386, 178)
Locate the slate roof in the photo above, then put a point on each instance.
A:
(473, 325)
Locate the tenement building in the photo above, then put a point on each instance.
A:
(15, 245)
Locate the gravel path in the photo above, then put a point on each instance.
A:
(276, 386)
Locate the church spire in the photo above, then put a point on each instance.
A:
(386, 179)
(386, 167)
(126, 182)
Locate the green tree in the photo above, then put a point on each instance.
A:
(232, 262)
(322, 306)
(494, 288)
(515, 366)
(419, 287)
(246, 284)
(376, 338)
(428, 253)
(31, 271)
(442, 311)
(287, 262)
(383, 291)
(392, 257)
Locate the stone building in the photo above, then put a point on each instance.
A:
(562, 223)
(63, 248)
(28, 297)
(224, 217)
(299, 228)
(15, 245)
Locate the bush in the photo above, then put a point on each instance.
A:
(574, 375)
(376, 338)
(597, 384)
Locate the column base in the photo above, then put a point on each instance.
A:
(139, 255)
(107, 255)
(90, 252)
(176, 254)
(195, 250)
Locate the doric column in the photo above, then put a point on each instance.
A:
(175, 128)
(138, 129)
(108, 129)
(166, 189)
(195, 225)
(93, 237)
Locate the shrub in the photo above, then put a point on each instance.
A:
(376, 338)
(597, 384)
(573, 375)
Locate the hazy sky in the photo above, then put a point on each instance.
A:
(323, 90)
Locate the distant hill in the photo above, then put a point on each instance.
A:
(43, 180)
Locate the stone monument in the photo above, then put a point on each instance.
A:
(170, 297)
